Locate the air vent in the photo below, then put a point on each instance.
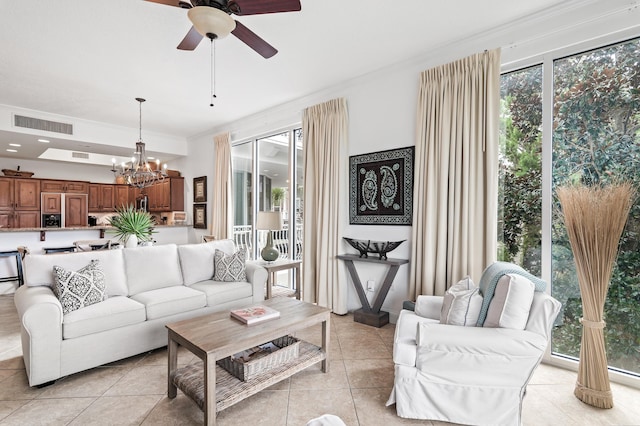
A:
(39, 124)
(80, 155)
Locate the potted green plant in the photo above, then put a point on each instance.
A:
(277, 195)
(131, 225)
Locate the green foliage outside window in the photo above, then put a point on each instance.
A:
(596, 139)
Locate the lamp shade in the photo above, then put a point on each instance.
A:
(271, 221)
(209, 20)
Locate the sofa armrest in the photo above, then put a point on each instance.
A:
(257, 276)
(40, 315)
(429, 306)
(476, 356)
(404, 340)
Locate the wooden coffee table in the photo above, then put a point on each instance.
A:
(216, 336)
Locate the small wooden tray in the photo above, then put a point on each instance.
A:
(16, 173)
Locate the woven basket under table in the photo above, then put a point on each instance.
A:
(289, 348)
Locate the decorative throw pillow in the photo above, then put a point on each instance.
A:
(461, 304)
(77, 289)
(511, 303)
(230, 268)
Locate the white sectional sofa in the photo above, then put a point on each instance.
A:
(147, 287)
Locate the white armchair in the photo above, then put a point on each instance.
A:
(466, 375)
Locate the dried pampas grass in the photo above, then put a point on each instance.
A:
(595, 218)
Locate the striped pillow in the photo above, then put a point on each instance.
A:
(461, 304)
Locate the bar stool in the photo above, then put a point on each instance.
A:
(18, 256)
(49, 250)
(90, 245)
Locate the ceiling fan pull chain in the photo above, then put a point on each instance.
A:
(213, 71)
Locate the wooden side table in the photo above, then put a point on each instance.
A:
(281, 265)
(367, 314)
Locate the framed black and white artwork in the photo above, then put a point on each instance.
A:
(381, 187)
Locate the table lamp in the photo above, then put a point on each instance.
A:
(270, 221)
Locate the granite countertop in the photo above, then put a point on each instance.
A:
(80, 228)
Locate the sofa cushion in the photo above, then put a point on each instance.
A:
(152, 267)
(196, 260)
(477, 356)
(427, 306)
(115, 312)
(511, 302)
(170, 300)
(229, 268)
(38, 268)
(219, 292)
(77, 289)
(461, 304)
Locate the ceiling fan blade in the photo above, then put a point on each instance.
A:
(191, 40)
(257, 7)
(177, 3)
(252, 40)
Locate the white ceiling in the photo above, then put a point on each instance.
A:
(89, 59)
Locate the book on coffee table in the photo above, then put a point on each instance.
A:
(255, 314)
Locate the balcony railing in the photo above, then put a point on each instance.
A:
(243, 238)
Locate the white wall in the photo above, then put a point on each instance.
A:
(382, 106)
(44, 169)
(93, 131)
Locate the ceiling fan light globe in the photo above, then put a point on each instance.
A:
(209, 20)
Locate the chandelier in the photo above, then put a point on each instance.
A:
(140, 173)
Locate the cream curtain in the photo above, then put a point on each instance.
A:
(221, 205)
(456, 173)
(324, 128)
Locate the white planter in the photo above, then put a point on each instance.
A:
(132, 241)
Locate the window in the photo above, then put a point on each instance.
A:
(594, 138)
(520, 168)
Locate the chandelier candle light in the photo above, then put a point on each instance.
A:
(140, 173)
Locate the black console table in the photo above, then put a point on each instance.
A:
(367, 314)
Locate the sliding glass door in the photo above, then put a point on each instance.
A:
(267, 173)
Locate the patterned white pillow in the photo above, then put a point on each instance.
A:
(229, 268)
(77, 289)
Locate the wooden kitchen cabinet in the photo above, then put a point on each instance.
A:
(134, 193)
(75, 210)
(167, 195)
(20, 219)
(6, 219)
(19, 202)
(6, 193)
(121, 196)
(51, 203)
(152, 199)
(101, 197)
(51, 185)
(26, 219)
(27, 194)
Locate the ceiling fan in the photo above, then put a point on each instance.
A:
(211, 19)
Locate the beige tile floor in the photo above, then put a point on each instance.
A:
(133, 391)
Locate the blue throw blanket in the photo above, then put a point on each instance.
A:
(490, 278)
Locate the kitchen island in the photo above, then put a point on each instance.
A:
(32, 239)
